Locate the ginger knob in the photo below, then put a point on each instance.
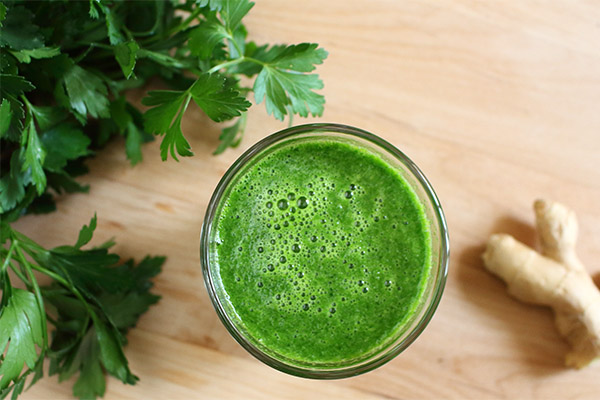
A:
(555, 278)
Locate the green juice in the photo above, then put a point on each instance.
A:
(323, 251)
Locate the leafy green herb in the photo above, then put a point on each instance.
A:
(21, 323)
(92, 303)
(210, 92)
(65, 68)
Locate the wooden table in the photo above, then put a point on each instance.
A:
(497, 102)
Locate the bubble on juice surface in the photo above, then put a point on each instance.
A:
(282, 204)
(302, 202)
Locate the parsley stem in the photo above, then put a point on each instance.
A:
(187, 101)
(38, 297)
(8, 256)
(38, 268)
(20, 275)
(30, 243)
(66, 284)
(52, 275)
(225, 65)
(234, 62)
(175, 29)
(98, 45)
(235, 43)
(84, 54)
(185, 23)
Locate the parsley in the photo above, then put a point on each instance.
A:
(219, 42)
(211, 92)
(65, 68)
(91, 303)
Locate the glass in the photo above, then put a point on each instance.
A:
(439, 252)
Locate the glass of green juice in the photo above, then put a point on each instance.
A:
(324, 251)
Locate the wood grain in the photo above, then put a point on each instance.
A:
(497, 102)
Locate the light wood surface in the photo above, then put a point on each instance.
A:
(497, 102)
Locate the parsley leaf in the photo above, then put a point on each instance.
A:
(64, 182)
(300, 58)
(133, 143)
(129, 120)
(47, 117)
(282, 83)
(5, 117)
(126, 55)
(21, 330)
(211, 92)
(231, 135)
(18, 30)
(91, 382)
(33, 157)
(86, 233)
(165, 119)
(2, 14)
(64, 142)
(25, 56)
(12, 87)
(12, 185)
(125, 307)
(111, 353)
(212, 4)
(87, 93)
(205, 38)
(233, 11)
(166, 106)
(174, 141)
(217, 97)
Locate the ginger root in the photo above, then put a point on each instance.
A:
(554, 278)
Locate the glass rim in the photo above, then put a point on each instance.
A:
(440, 270)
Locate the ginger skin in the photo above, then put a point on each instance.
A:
(555, 278)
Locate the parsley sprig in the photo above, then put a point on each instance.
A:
(91, 304)
(219, 42)
(65, 69)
